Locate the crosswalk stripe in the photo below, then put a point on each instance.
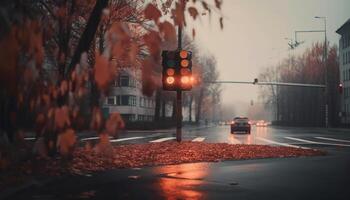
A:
(90, 138)
(280, 143)
(126, 139)
(198, 139)
(332, 139)
(313, 142)
(163, 139)
(29, 138)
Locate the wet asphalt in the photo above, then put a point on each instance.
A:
(321, 177)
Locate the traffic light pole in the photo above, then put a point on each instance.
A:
(179, 96)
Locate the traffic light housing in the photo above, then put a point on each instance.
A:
(255, 81)
(177, 70)
(185, 69)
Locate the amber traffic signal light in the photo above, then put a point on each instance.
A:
(169, 70)
(185, 69)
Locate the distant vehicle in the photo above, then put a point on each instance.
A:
(240, 124)
(261, 123)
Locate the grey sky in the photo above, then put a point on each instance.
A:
(254, 32)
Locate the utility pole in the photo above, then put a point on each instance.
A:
(179, 95)
(324, 60)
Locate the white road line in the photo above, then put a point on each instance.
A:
(91, 138)
(29, 138)
(198, 139)
(332, 139)
(280, 143)
(313, 142)
(126, 139)
(163, 139)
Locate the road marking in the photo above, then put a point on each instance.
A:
(313, 142)
(91, 138)
(280, 143)
(29, 138)
(234, 140)
(126, 139)
(163, 139)
(198, 139)
(332, 139)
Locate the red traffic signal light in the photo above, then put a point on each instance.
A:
(340, 88)
(177, 70)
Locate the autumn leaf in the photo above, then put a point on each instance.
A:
(151, 12)
(152, 40)
(178, 13)
(218, 3)
(114, 123)
(97, 119)
(66, 142)
(62, 117)
(193, 12)
(104, 146)
(103, 72)
(168, 31)
(205, 6)
(221, 23)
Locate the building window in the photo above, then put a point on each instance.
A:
(132, 100)
(124, 80)
(128, 117)
(127, 100)
(111, 100)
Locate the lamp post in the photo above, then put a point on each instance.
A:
(325, 66)
(324, 60)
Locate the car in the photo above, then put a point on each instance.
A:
(240, 124)
(261, 123)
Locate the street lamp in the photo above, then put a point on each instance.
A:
(325, 64)
(324, 59)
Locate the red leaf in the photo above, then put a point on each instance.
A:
(66, 142)
(114, 123)
(151, 12)
(221, 23)
(193, 12)
(104, 73)
(168, 31)
(218, 3)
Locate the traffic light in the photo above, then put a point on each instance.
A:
(169, 70)
(340, 88)
(255, 81)
(185, 69)
(177, 70)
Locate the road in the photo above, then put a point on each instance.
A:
(285, 136)
(323, 177)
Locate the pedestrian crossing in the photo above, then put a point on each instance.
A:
(280, 143)
(332, 139)
(314, 142)
(163, 139)
(198, 139)
(295, 141)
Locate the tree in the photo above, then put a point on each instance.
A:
(303, 106)
(49, 49)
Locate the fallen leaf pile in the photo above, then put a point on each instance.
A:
(85, 160)
(166, 153)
